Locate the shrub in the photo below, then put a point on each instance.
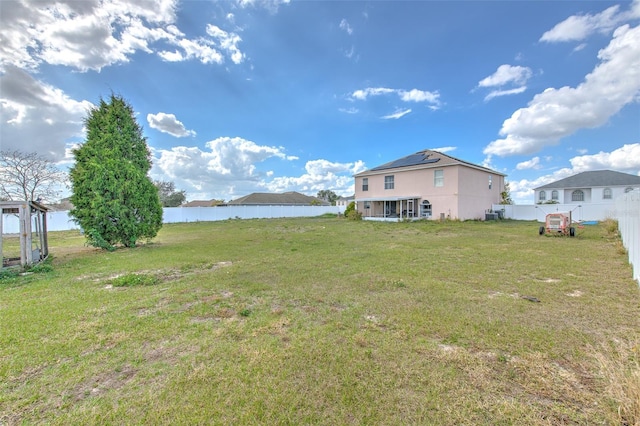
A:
(351, 213)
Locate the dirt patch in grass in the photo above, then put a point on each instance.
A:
(104, 382)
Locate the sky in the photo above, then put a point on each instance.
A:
(244, 96)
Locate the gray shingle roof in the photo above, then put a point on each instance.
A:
(427, 158)
(594, 178)
(285, 199)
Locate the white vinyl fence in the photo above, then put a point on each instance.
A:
(626, 210)
(628, 215)
(579, 212)
(61, 221)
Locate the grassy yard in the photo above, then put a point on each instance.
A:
(325, 321)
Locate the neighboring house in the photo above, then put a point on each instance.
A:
(272, 199)
(345, 201)
(428, 184)
(596, 187)
(202, 203)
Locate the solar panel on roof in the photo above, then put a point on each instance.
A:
(410, 160)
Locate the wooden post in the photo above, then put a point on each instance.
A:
(45, 238)
(1, 232)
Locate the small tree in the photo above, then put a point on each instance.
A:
(169, 197)
(351, 212)
(114, 200)
(505, 196)
(328, 196)
(28, 177)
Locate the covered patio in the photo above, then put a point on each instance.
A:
(394, 208)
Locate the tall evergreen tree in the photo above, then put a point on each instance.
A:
(114, 200)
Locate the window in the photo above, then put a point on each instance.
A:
(577, 195)
(438, 178)
(365, 184)
(388, 182)
(628, 190)
(490, 181)
(554, 195)
(367, 205)
(425, 209)
(542, 196)
(606, 194)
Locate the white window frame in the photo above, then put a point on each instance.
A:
(607, 194)
(438, 178)
(389, 182)
(577, 195)
(365, 184)
(542, 196)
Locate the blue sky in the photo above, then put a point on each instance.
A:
(249, 96)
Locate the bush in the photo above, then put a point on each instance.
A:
(351, 213)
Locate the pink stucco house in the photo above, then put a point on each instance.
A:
(427, 184)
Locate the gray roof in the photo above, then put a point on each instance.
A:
(594, 178)
(426, 158)
(199, 203)
(286, 199)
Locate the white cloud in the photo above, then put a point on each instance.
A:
(344, 25)
(397, 114)
(349, 110)
(445, 149)
(579, 27)
(556, 113)
(534, 163)
(506, 74)
(413, 95)
(321, 174)
(624, 159)
(498, 93)
(168, 123)
(36, 116)
(228, 41)
(90, 35)
(363, 94)
(228, 169)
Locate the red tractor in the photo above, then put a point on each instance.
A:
(558, 224)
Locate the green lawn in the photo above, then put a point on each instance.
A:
(324, 321)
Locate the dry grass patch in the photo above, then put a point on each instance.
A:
(619, 363)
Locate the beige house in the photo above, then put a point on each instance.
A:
(427, 184)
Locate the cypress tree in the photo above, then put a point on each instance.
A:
(114, 200)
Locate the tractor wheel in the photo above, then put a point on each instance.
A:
(572, 232)
(541, 230)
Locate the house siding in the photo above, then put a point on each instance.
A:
(465, 193)
(591, 195)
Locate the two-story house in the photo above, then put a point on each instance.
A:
(428, 184)
(596, 187)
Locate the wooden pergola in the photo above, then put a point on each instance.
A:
(29, 220)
